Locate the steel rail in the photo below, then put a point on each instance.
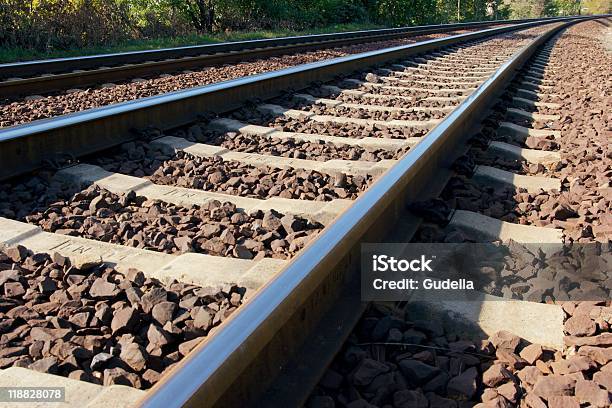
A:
(57, 65)
(235, 363)
(26, 147)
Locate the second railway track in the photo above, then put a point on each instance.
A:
(221, 206)
(43, 76)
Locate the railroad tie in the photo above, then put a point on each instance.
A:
(495, 176)
(299, 114)
(529, 155)
(376, 108)
(521, 131)
(76, 393)
(231, 125)
(87, 174)
(195, 268)
(364, 168)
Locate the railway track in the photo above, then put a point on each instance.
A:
(43, 76)
(242, 202)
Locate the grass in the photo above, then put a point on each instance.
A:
(20, 54)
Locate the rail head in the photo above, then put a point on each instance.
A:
(207, 370)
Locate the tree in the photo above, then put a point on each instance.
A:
(201, 13)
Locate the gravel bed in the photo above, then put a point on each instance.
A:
(433, 369)
(41, 107)
(317, 151)
(21, 197)
(215, 174)
(215, 229)
(391, 360)
(93, 323)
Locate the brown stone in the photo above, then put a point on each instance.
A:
(119, 376)
(185, 347)
(202, 319)
(563, 402)
(604, 339)
(598, 354)
(554, 385)
(416, 372)
(410, 399)
(151, 376)
(514, 362)
(45, 365)
(124, 320)
(533, 401)
(529, 375)
(489, 394)
(367, 370)
(531, 353)
(604, 378)
(103, 289)
(589, 392)
(573, 364)
(135, 276)
(580, 326)
(163, 312)
(158, 336)
(134, 355)
(505, 340)
(9, 275)
(47, 334)
(80, 319)
(81, 376)
(153, 297)
(464, 385)
(510, 391)
(13, 289)
(496, 374)
(99, 360)
(17, 253)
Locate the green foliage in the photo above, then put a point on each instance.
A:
(44, 26)
(550, 8)
(597, 6)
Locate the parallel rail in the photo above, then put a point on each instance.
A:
(41, 76)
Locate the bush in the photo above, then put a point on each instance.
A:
(45, 25)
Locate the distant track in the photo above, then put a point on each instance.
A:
(43, 76)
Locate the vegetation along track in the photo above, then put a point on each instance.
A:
(36, 90)
(195, 217)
